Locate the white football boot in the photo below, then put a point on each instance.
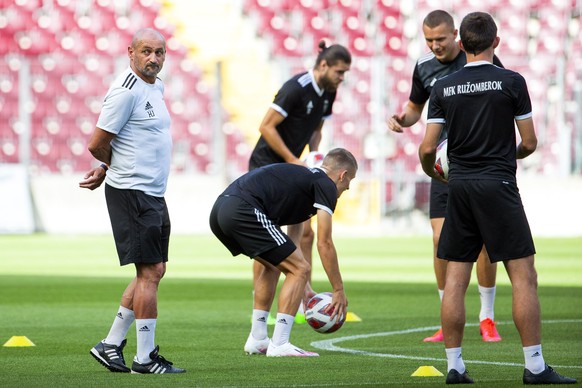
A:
(288, 350)
(255, 346)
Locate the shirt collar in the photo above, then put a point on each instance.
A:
(478, 63)
(318, 90)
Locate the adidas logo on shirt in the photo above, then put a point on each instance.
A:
(150, 109)
(144, 328)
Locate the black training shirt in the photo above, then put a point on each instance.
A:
(304, 105)
(428, 70)
(479, 104)
(287, 193)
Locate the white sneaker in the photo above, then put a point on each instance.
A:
(288, 350)
(255, 346)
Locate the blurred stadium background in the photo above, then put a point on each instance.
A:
(226, 59)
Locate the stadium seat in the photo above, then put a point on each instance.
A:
(68, 42)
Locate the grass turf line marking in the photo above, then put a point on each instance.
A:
(330, 345)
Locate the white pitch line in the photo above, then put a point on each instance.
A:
(329, 344)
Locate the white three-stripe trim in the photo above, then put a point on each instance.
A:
(111, 353)
(157, 368)
(273, 231)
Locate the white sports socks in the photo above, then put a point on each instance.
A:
(455, 360)
(259, 324)
(146, 329)
(283, 328)
(120, 326)
(487, 296)
(534, 360)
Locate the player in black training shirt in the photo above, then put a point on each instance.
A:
(445, 58)
(481, 104)
(247, 218)
(295, 120)
(296, 116)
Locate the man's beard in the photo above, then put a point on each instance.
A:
(328, 85)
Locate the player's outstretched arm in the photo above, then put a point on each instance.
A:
(407, 118)
(329, 260)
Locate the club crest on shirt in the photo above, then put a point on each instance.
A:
(309, 107)
(325, 105)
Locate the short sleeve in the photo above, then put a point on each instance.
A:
(523, 108)
(325, 195)
(418, 93)
(116, 111)
(287, 97)
(435, 111)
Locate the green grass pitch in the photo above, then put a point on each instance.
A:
(62, 292)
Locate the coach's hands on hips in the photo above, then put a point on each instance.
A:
(93, 178)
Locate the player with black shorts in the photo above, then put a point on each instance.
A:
(132, 138)
(247, 218)
(445, 58)
(294, 121)
(481, 104)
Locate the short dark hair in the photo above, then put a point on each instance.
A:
(438, 17)
(478, 32)
(340, 158)
(333, 54)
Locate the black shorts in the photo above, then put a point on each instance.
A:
(439, 194)
(141, 226)
(486, 212)
(245, 229)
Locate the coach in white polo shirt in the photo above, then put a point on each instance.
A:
(133, 140)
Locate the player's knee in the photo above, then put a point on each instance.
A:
(303, 269)
(308, 234)
(533, 278)
(151, 273)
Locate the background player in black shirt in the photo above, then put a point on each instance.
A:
(247, 218)
(445, 58)
(481, 104)
(293, 121)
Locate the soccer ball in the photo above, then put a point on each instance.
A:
(318, 319)
(441, 163)
(314, 159)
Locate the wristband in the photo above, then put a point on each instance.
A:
(104, 167)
